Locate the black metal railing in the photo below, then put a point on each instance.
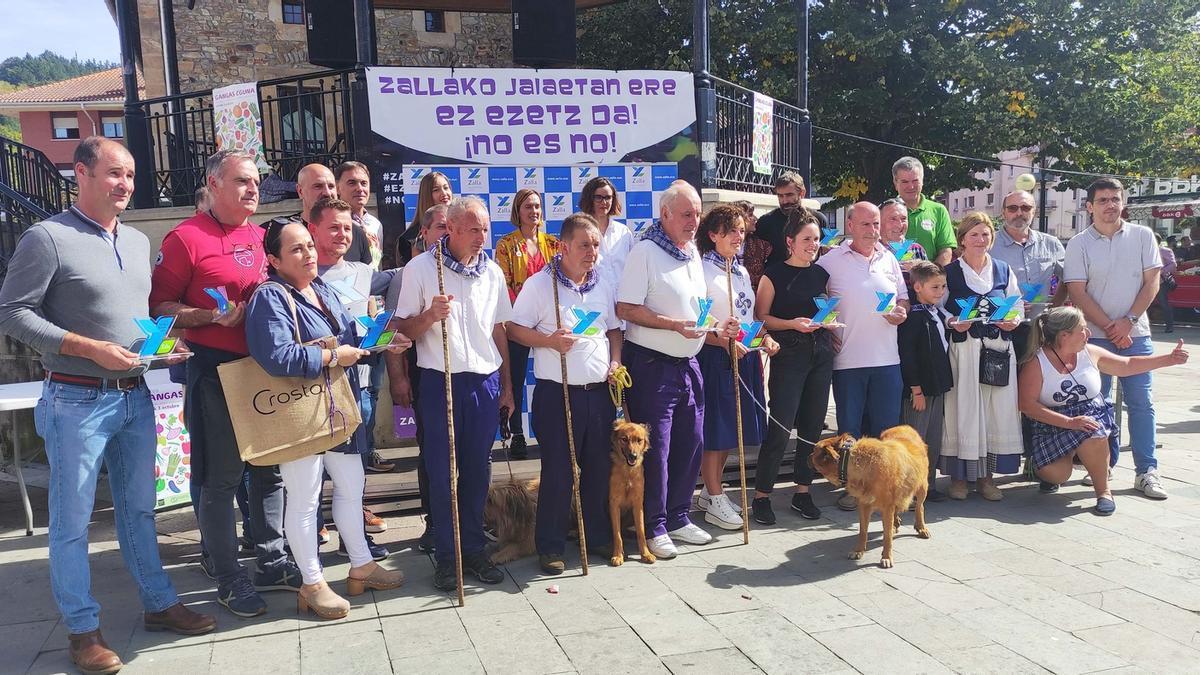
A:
(17, 213)
(735, 139)
(29, 173)
(305, 118)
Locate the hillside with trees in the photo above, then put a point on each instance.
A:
(18, 72)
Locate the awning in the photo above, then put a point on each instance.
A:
(1164, 208)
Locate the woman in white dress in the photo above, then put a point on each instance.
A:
(982, 434)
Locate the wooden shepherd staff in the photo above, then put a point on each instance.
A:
(562, 361)
(458, 573)
(737, 407)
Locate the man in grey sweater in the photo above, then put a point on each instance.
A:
(73, 289)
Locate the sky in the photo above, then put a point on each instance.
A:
(82, 28)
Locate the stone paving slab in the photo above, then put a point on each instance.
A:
(1032, 584)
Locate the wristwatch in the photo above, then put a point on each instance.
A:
(1133, 318)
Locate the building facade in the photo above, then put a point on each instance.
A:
(54, 117)
(221, 42)
(1066, 213)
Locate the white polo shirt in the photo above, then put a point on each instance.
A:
(718, 290)
(868, 340)
(587, 362)
(615, 244)
(478, 305)
(1112, 267)
(666, 286)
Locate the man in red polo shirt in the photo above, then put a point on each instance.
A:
(221, 250)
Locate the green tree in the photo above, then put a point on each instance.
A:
(1101, 85)
(46, 67)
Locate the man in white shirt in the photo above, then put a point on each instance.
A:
(590, 338)
(354, 187)
(354, 283)
(662, 298)
(1112, 274)
(867, 385)
(475, 307)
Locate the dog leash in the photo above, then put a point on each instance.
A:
(617, 384)
(784, 427)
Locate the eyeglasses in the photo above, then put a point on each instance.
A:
(1023, 208)
(602, 198)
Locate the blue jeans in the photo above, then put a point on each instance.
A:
(1139, 401)
(867, 399)
(82, 427)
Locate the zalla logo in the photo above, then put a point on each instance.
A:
(885, 302)
(472, 174)
(558, 200)
(530, 173)
(266, 401)
(828, 235)
(583, 322)
(1033, 292)
(156, 342)
(1004, 309)
(503, 201)
(377, 333)
(416, 174)
(638, 171)
(749, 335)
(825, 310)
(967, 308)
(902, 249)
(585, 172)
(704, 320)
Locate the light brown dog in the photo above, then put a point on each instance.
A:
(626, 486)
(511, 508)
(885, 474)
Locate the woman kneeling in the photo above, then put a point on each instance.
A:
(1059, 388)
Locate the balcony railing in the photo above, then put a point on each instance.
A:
(305, 119)
(735, 139)
(31, 174)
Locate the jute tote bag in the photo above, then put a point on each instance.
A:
(280, 419)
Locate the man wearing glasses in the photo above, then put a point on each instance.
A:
(1037, 260)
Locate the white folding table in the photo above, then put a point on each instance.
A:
(14, 398)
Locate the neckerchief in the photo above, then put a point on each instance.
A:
(720, 261)
(555, 268)
(656, 234)
(472, 272)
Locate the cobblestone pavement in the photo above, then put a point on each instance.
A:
(1033, 583)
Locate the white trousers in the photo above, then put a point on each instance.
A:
(302, 480)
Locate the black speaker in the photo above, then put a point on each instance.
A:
(544, 32)
(332, 38)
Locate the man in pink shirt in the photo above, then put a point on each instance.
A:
(221, 250)
(872, 301)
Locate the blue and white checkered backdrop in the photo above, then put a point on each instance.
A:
(638, 187)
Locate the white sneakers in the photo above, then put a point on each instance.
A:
(662, 547)
(690, 534)
(721, 512)
(704, 499)
(1150, 484)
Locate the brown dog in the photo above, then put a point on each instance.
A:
(885, 474)
(511, 508)
(626, 486)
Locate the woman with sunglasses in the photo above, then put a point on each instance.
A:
(271, 329)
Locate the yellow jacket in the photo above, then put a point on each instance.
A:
(514, 262)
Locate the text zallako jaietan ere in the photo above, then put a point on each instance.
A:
(527, 86)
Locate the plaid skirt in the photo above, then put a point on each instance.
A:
(1051, 443)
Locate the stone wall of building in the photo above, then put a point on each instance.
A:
(221, 42)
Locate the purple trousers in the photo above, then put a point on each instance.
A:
(592, 414)
(476, 418)
(668, 397)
